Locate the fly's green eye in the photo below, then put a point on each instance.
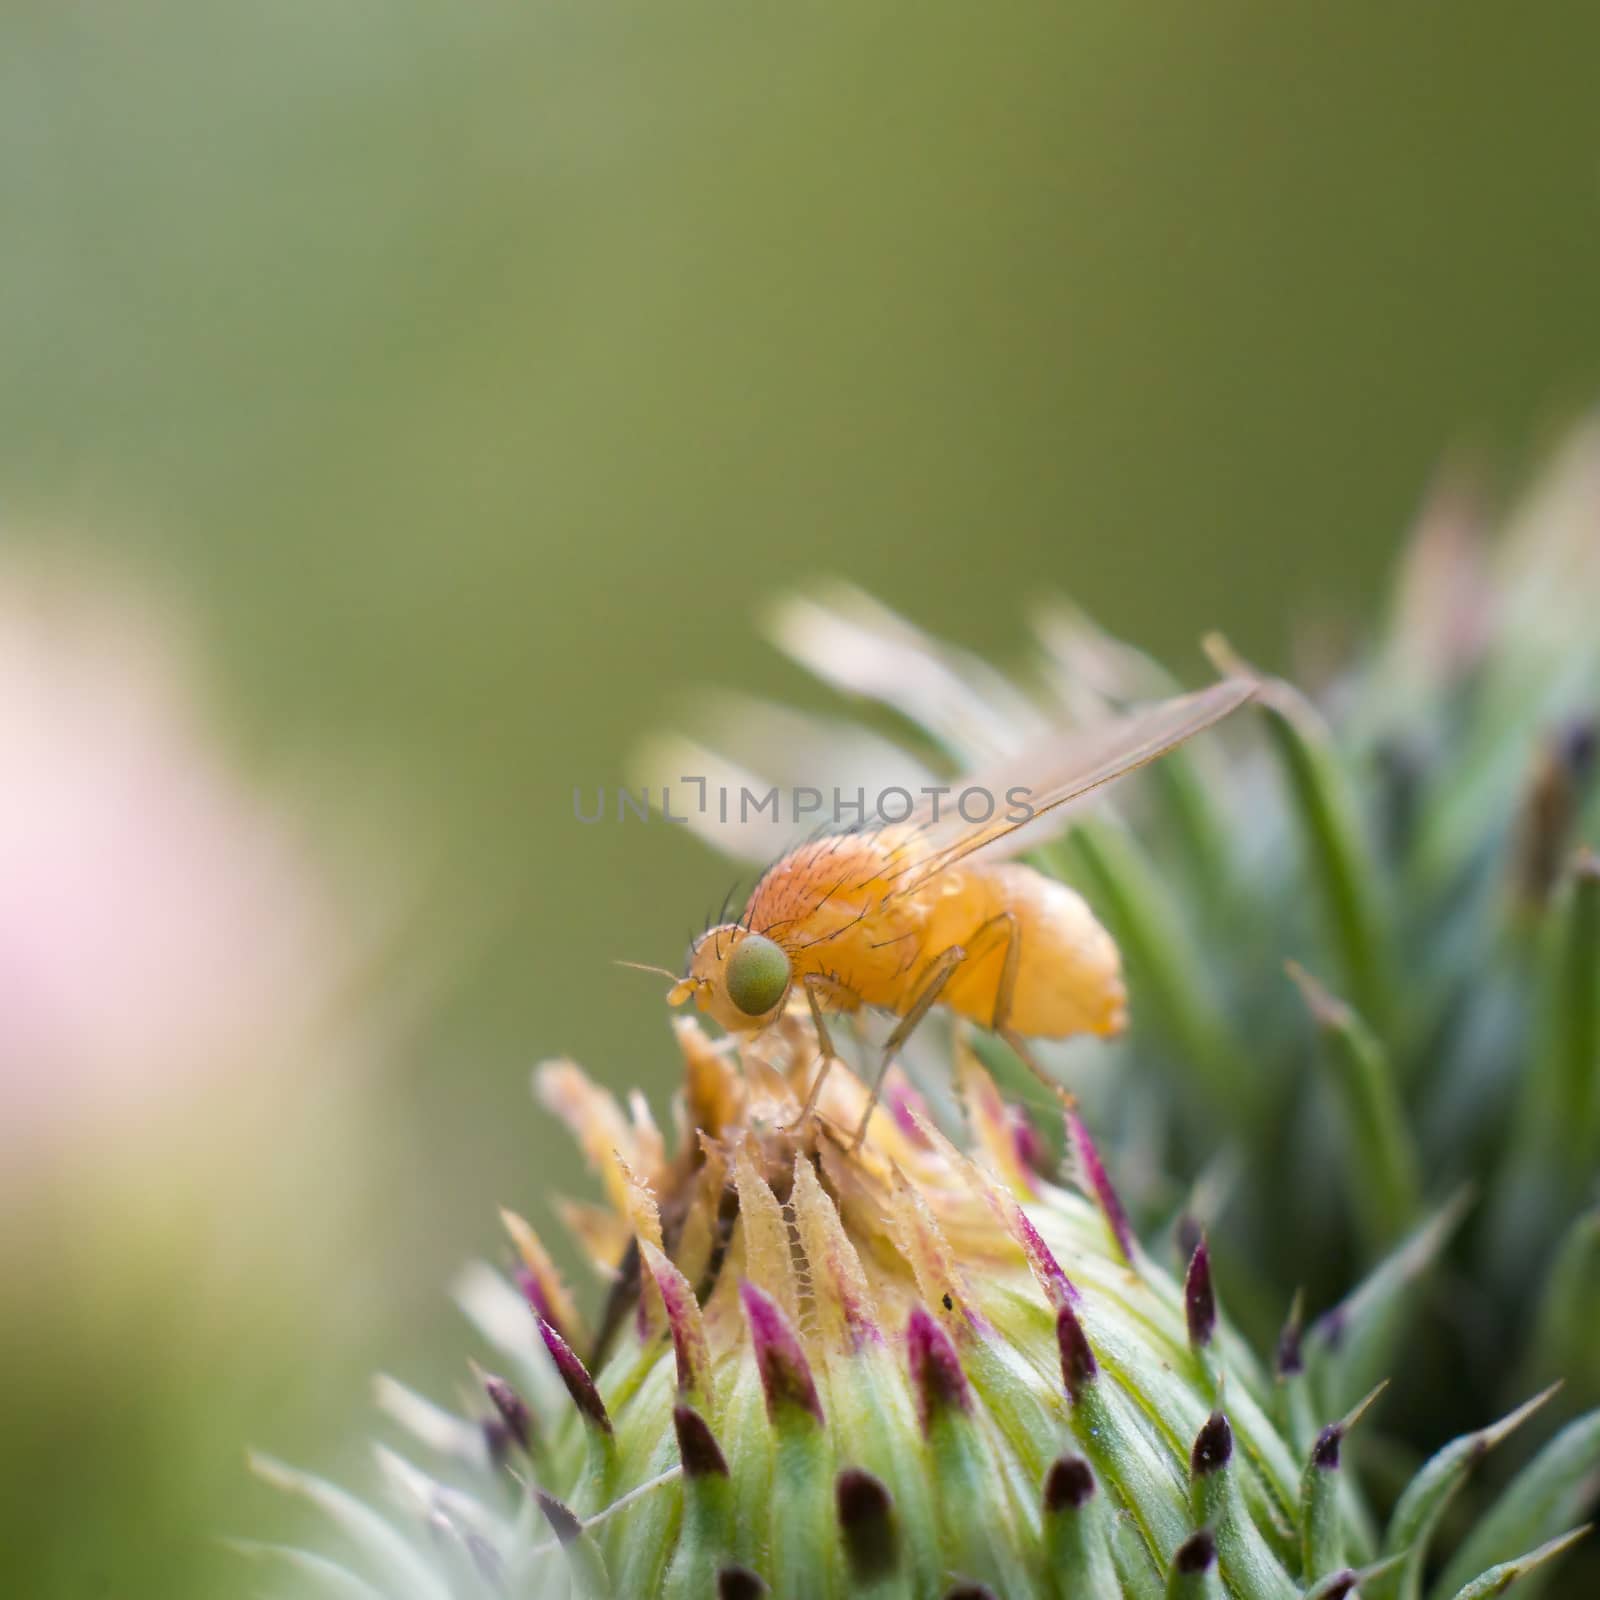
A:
(758, 973)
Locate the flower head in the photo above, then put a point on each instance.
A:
(906, 1365)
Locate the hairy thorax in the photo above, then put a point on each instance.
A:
(836, 906)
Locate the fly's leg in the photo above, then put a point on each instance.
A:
(939, 974)
(811, 983)
(1004, 925)
(1005, 995)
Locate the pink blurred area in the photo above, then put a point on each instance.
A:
(162, 920)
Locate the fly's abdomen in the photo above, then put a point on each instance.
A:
(1069, 973)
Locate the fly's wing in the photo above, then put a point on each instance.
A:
(1079, 763)
(764, 774)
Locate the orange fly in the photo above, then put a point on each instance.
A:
(924, 912)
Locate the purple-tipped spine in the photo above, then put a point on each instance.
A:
(1291, 1360)
(1199, 1297)
(906, 1106)
(1068, 1485)
(1032, 1151)
(576, 1377)
(740, 1583)
(785, 1373)
(866, 1523)
(564, 1524)
(1099, 1180)
(936, 1374)
(534, 1293)
(1196, 1554)
(1213, 1446)
(1078, 1366)
(688, 1341)
(698, 1449)
(1059, 1289)
(513, 1409)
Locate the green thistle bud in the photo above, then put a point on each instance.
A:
(908, 1367)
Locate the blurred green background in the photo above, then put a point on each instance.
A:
(475, 372)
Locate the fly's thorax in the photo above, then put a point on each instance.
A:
(822, 886)
(865, 953)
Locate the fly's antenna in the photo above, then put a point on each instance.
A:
(641, 966)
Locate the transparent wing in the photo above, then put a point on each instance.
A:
(1075, 765)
